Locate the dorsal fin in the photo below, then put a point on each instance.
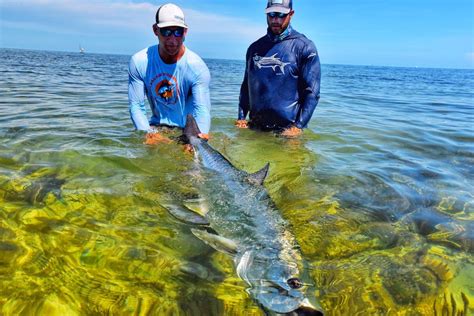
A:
(259, 176)
(191, 129)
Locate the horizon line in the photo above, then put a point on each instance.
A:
(240, 60)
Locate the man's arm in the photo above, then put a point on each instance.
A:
(244, 103)
(202, 100)
(310, 85)
(136, 98)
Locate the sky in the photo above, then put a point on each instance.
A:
(404, 33)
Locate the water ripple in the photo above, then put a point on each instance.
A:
(379, 192)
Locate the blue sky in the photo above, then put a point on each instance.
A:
(414, 33)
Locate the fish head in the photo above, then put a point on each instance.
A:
(278, 287)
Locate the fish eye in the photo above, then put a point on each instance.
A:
(294, 283)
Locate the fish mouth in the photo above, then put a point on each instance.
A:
(306, 311)
(287, 305)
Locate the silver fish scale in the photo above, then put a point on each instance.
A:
(243, 211)
(267, 257)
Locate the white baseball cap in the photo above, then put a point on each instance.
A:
(170, 15)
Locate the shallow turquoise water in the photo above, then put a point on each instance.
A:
(379, 193)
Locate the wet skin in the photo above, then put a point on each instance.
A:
(278, 25)
(171, 47)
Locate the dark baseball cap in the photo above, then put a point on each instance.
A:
(281, 6)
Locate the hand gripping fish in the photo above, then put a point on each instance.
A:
(249, 227)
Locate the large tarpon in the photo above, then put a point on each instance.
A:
(249, 227)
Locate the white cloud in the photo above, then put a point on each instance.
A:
(39, 27)
(110, 14)
(96, 13)
(470, 57)
(208, 23)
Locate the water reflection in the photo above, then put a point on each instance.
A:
(381, 205)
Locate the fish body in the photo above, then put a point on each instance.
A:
(250, 228)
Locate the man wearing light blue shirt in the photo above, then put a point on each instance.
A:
(174, 79)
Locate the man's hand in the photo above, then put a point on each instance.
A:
(204, 136)
(242, 124)
(292, 132)
(188, 149)
(154, 138)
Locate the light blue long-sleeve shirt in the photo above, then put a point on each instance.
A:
(172, 90)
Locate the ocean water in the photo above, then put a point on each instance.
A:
(379, 193)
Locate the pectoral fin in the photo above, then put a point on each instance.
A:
(217, 242)
(259, 176)
(198, 206)
(185, 214)
(195, 269)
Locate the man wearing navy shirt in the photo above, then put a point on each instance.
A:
(280, 89)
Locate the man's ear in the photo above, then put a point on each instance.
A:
(155, 29)
(184, 34)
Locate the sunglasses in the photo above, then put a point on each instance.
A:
(179, 32)
(277, 15)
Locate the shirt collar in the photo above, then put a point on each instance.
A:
(282, 36)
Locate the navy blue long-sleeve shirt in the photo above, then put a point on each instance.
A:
(282, 81)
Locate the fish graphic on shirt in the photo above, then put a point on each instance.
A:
(270, 62)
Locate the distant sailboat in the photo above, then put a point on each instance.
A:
(81, 49)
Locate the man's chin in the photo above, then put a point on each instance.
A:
(172, 52)
(276, 30)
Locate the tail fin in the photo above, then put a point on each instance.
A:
(191, 129)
